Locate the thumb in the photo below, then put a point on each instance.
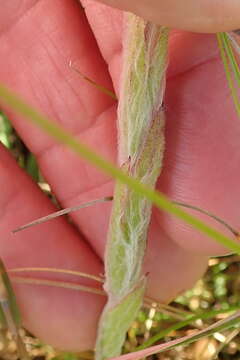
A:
(200, 16)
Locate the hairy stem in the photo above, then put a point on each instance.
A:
(141, 147)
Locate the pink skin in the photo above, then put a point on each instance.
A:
(202, 15)
(38, 39)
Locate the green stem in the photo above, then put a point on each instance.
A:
(141, 147)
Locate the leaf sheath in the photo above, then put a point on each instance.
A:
(141, 148)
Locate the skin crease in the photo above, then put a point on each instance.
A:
(35, 51)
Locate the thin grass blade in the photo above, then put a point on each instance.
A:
(231, 68)
(157, 198)
(11, 311)
(101, 88)
(190, 319)
(59, 284)
(231, 321)
(61, 213)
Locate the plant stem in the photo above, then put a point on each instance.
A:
(141, 147)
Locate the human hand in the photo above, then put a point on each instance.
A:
(38, 39)
(201, 16)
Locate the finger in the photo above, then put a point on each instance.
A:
(67, 319)
(202, 129)
(201, 16)
(13, 11)
(107, 26)
(44, 65)
(102, 219)
(57, 245)
(95, 220)
(202, 154)
(163, 256)
(42, 74)
(170, 269)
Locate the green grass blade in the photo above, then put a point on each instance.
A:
(11, 311)
(5, 131)
(229, 322)
(10, 296)
(179, 325)
(225, 59)
(32, 167)
(231, 57)
(160, 200)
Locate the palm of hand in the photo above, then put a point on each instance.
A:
(35, 50)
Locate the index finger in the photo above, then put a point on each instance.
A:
(207, 16)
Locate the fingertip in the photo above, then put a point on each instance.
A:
(64, 318)
(199, 16)
(171, 269)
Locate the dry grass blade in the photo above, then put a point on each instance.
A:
(150, 300)
(62, 212)
(228, 339)
(55, 270)
(213, 216)
(234, 42)
(59, 284)
(230, 321)
(190, 320)
(92, 82)
(11, 312)
(164, 308)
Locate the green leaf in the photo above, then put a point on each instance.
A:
(116, 320)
